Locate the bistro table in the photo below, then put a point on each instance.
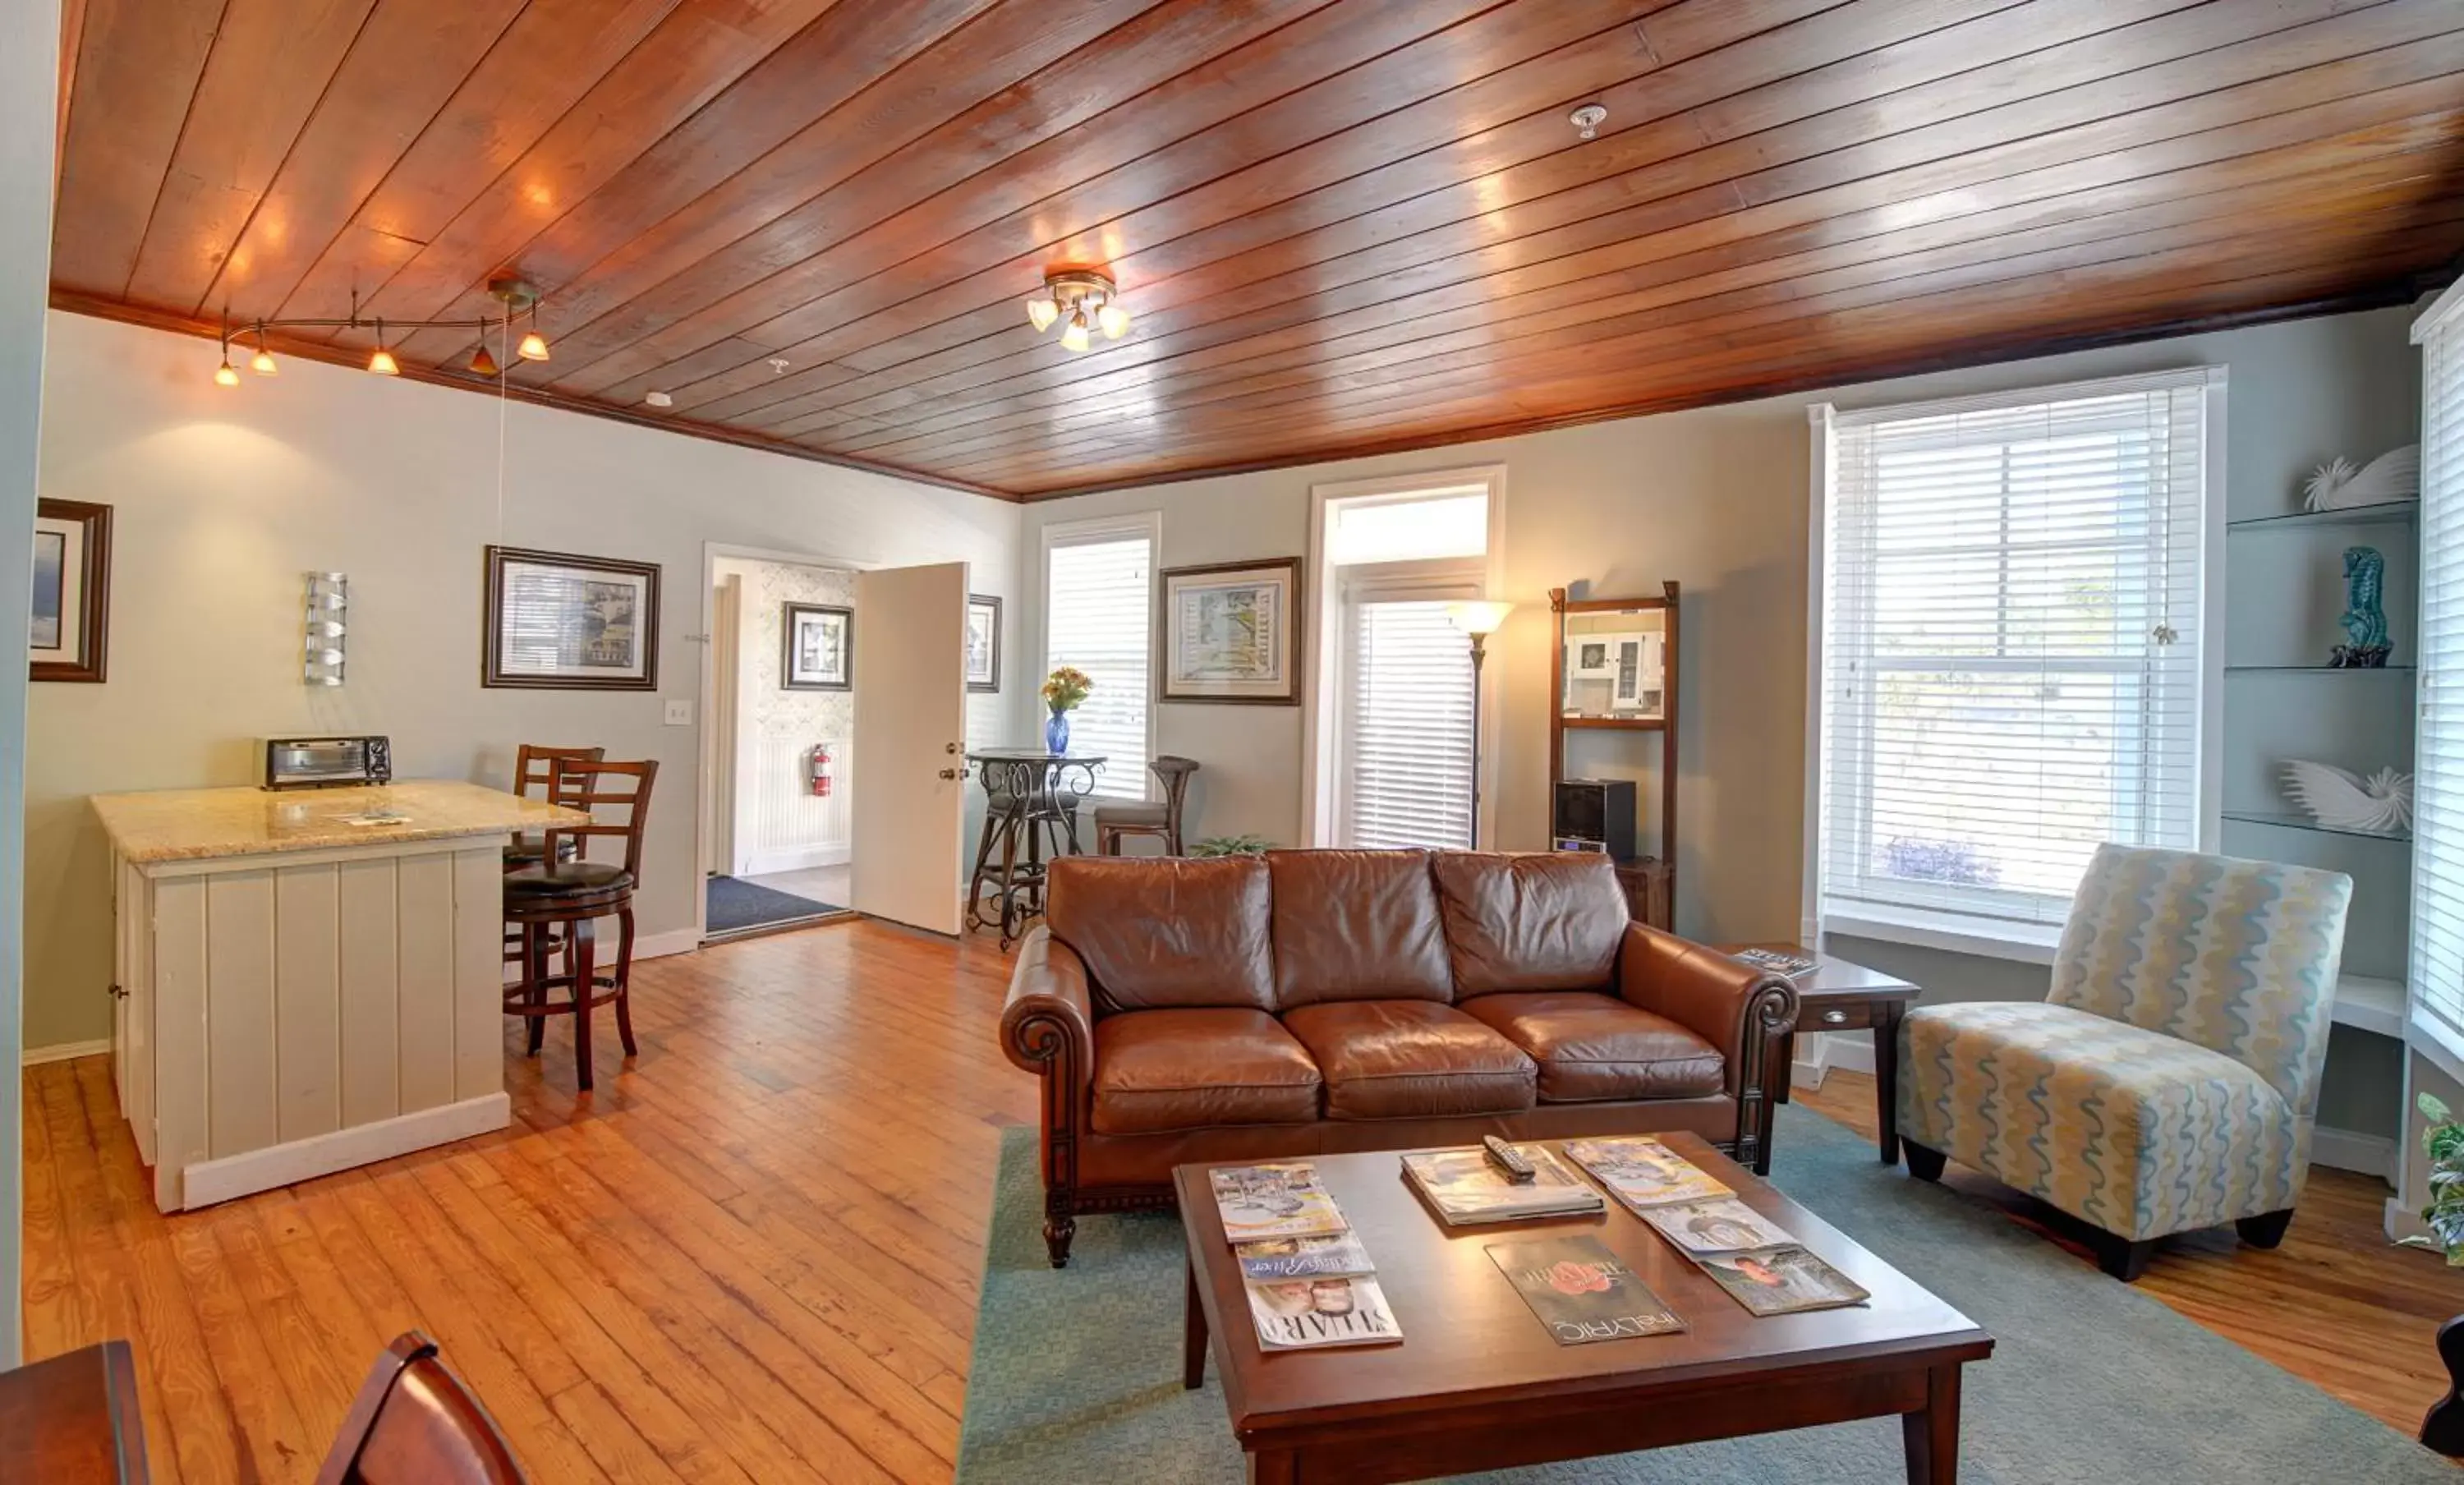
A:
(1028, 794)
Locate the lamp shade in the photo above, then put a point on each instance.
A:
(1477, 616)
(1041, 312)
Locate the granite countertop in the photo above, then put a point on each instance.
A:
(188, 825)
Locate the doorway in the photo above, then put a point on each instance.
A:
(777, 827)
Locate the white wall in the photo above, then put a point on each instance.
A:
(223, 499)
(29, 36)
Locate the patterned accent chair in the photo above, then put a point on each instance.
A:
(2170, 1081)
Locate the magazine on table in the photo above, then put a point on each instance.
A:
(1582, 1291)
(1339, 1255)
(1283, 1199)
(1782, 1281)
(1465, 1187)
(1293, 1314)
(1643, 1172)
(1723, 1225)
(1778, 961)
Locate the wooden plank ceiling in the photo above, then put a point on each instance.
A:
(1341, 225)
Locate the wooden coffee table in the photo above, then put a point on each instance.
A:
(1477, 1384)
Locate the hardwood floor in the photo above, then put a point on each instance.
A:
(752, 1256)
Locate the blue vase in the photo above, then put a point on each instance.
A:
(1056, 733)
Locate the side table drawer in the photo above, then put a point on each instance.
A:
(1836, 1015)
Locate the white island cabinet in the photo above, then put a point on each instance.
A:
(302, 984)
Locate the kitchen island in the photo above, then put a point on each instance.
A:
(307, 980)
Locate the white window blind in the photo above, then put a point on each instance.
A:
(2010, 660)
(2436, 976)
(1405, 776)
(1099, 603)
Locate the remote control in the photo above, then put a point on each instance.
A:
(1517, 1166)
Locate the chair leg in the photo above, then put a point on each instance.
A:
(580, 950)
(1922, 1163)
(1107, 841)
(2266, 1229)
(535, 970)
(2123, 1258)
(625, 980)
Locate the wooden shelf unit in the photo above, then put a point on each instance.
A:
(1650, 881)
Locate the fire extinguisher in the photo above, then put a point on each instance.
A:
(817, 771)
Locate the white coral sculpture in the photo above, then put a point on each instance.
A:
(2343, 800)
(2393, 475)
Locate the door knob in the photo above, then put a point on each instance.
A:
(949, 774)
(949, 748)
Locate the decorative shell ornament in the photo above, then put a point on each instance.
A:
(2393, 475)
(2345, 801)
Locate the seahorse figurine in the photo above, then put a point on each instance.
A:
(2365, 622)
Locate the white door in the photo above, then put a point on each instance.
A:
(911, 715)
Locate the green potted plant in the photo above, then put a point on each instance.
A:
(1230, 846)
(1063, 690)
(2442, 1428)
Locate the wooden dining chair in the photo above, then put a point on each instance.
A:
(560, 901)
(535, 777)
(414, 1423)
(1113, 821)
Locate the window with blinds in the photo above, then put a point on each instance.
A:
(2010, 668)
(1098, 607)
(2436, 976)
(1405, 773)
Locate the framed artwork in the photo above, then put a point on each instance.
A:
(818, 648)
(72, 606)
(559, 622)
(1231, 633)
(983, 642)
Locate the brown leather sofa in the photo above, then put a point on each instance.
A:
(1310, 1000)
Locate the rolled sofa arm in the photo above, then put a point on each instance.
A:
(1729, 1003)
(1047, 1025)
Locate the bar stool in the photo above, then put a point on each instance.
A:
(1115, 821)
(565, 901)
(535, 766)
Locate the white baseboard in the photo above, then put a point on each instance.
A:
(1851, 1051)
(2403, 1222)
(61, 1051)
(208, 1182)
(659, 945)
(2341, 1149)
(795, 858)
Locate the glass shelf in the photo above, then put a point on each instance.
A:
(2303, 822)
(2381, 514)
(2323, 669)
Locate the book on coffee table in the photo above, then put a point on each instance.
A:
(1294, 1314)
(1643, 1172)
(1465, 1189)
(1338, 1256)
(1782, 1281)
(1721, 1225)
(1582, 1291)
(1283, 1199)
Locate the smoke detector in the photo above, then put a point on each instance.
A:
(658, 399)
(1588, 119)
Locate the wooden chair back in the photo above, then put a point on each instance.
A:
(1174, 773)
(416, 1424)
(535, 766)
(617, 798)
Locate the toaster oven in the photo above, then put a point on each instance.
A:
(327, 762)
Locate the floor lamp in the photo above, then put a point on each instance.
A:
(1477, 619)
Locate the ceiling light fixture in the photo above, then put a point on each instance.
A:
(1072, 295)
(1588, 119)
(517, 295)
(658, 399)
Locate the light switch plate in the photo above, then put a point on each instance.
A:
(679, 714)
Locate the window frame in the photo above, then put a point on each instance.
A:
(1148, 526)
(1948, 927)
(1421, 579)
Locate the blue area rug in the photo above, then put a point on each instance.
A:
(1076, 1373)
(736, 904)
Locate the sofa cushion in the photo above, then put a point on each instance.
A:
(1166, 932)
(1166, 1070)
(1356, 926)
(1410, 1059)
(1548, 920)
(1593, 1047)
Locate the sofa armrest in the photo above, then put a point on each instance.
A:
(1736, 1008)
(1047, 1025)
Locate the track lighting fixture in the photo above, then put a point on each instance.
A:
(516, 294)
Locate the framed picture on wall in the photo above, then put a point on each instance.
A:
(555, 621)
(72, 606)
(983, 642)
(818, 641)
(1231, 633)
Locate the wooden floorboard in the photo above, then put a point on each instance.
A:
(755, 1254)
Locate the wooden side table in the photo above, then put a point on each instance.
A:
(74, 1420)
(1835, 995)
